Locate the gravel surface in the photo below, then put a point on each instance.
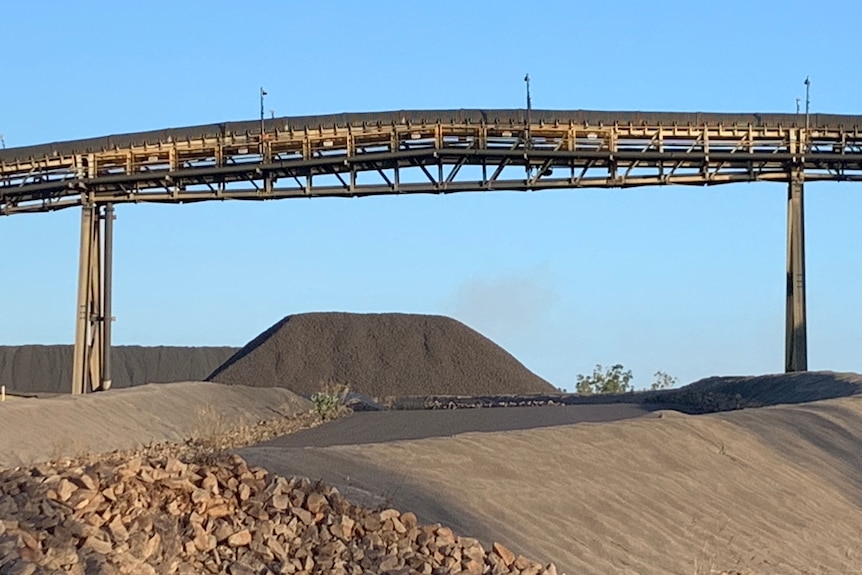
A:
(386, 426)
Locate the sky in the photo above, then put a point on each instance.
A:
(687, 280)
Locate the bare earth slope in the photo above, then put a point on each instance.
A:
(378, 355)
(774, 489)
(733, 392)
(48, 368)
(33, 430)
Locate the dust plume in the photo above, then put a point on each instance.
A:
(504, 306)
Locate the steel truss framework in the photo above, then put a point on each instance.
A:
(404, 157)
(368, 160)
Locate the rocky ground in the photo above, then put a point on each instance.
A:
(158, 514)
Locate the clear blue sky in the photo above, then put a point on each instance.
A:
(686, 280)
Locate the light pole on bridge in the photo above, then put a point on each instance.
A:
(262, 94)
(264, 158)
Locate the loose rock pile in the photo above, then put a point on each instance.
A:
(162, 516)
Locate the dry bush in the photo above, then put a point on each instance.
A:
(329, 402)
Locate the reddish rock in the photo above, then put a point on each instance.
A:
(240, 538)
(504, 553)
(65, 489)
(315, 502)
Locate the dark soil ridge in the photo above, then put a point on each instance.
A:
(48, 368)
(381, 355)
(724, 393)
(708, 395)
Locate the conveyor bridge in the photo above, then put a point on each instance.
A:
(419, 151)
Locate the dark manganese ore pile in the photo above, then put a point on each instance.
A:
(48, 368)
(379, 355)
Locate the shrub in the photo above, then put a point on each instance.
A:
(612, 380)
(663, 381)
(329, 401)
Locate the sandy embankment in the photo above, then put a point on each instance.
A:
(34, 430)
(771, 490)
(774, 490)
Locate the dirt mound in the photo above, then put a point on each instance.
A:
(33, 430)
(48, 368)
(737, 392)
(380, 355)
(767, 490)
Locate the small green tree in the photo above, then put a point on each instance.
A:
(613, 380)
(663, 381)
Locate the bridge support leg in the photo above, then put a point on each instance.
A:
(796, 337)
(91, 365)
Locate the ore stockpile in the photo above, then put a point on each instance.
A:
(379, 355)
(48, 368)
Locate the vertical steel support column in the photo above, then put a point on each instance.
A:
(107, 279)
(96, 326)
(796, 349)
(91, 366)
(80, 369)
